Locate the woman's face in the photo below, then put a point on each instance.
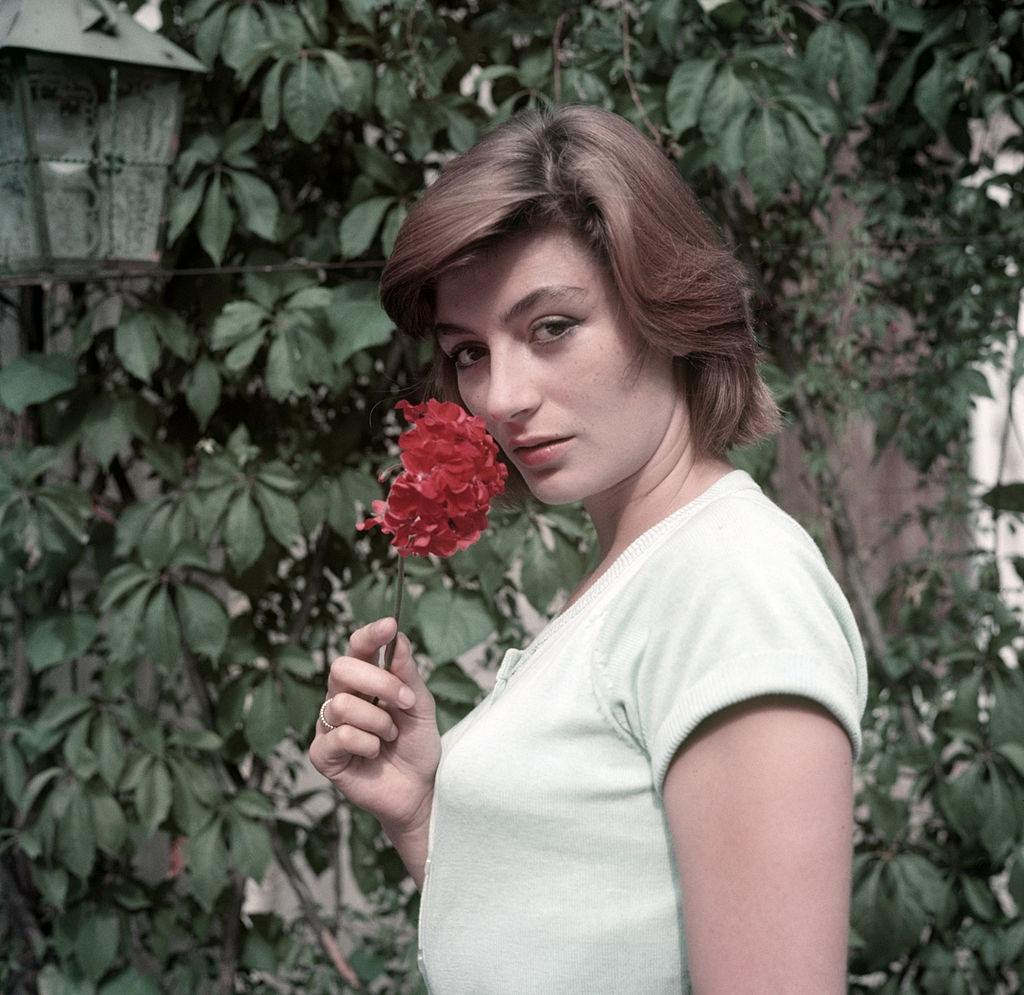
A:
(542, 354)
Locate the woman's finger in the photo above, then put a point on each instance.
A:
(346, 709)
(348, 741)
(356, 676)
(365, 643)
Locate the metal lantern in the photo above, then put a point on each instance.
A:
(90, 108)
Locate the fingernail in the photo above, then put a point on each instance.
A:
(392, 734)
(406, 697)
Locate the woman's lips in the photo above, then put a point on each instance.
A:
(543, 453)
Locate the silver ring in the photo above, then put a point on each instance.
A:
(323, 719)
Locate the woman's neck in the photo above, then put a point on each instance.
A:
(616, 532)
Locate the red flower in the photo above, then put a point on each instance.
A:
(438, 504)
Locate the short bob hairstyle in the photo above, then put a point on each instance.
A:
(592, 173)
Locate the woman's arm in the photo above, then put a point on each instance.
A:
(760, 803)
(411, 843)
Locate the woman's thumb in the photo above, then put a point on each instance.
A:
(403, 666)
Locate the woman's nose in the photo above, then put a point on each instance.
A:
(512, 391)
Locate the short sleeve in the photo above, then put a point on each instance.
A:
(736, 604)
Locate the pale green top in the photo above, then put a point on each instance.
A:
(551, 868)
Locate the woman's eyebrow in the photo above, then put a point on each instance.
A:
(553, 292)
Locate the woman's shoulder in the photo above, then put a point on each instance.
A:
(740, 531)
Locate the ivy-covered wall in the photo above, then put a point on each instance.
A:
(188, 453)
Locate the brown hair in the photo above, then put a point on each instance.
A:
(590, 172)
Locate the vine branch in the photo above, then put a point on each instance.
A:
(312, 915)
(556, 55)
(627, 72)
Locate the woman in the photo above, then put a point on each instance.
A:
(657, 794)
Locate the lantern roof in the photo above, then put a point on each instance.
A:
(90, 29)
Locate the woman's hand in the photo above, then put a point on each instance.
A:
(382, 756)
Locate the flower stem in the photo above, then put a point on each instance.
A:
(389, 653)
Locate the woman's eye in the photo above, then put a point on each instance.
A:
(465, 355)
(554, 329)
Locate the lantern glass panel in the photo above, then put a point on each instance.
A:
(105, 136)
(18, 231)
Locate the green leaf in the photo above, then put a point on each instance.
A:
(357, 324)
(130, 982)
(1014, 752)
(840, 52)
(160, 630)
(52, 883)
(937, 91)
(123, 623)
(807, 155)
(239, 320)
(76, 838)
(1005, 497)
(110, 823)
(173, 332)
(980, 900)
(394, 221)
(392, 97)
(161, 535)
(302, 702)
(360, 12)
(1001, 825)
(240, 137)
(108, 746)
(79, 757)
(137, 346)
(203, 391)
(266, 722)
(252, 804)
(13, 775)
(767, 154)
(307, 100)
(344, 80)
(209, 508)
(257, 204)
(209, 34)
(204, 622)
(451, 623)
(462, 131)
(37, 784)
(243, 532)
(188, 812)
(215, 221)
(58, 637)
(727, 99)
(250, 847)
(280, 514)
(379, 167)
(270, 96)
(453, 683)
(548, 573)
(167, 460)
(206, 859)
(279, 476)
(244, 31)
(729, 154)
(96, 943)
(685, 93)
(153, 797)
(360, 225)
(35, 378)
(204, 150)
(240, 356)
(284, 374)
(819, 112)
(183, 208)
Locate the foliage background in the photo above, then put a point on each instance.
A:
(177, 551)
